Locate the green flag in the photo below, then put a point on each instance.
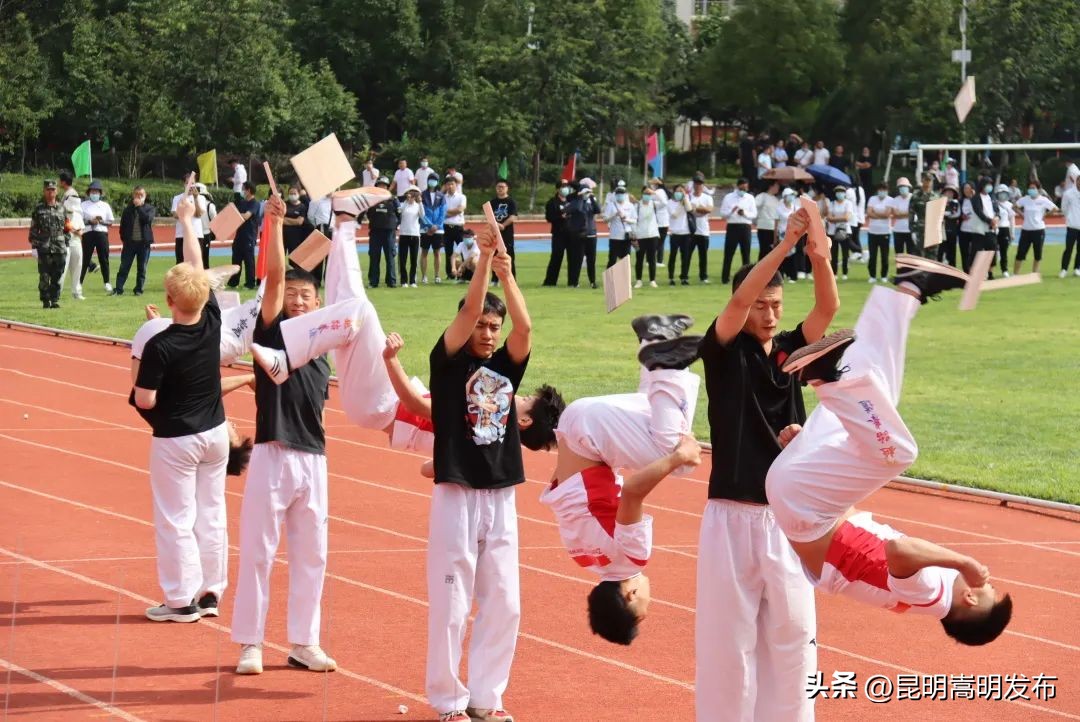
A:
(80, 160)
(504, 170)
(105, 142)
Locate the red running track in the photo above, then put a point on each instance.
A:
(77, 571)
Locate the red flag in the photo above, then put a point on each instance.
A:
(264, 238)
(569, 171)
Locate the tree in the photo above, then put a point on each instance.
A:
(27, 97)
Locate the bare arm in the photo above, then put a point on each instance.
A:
(274, 295)
(145, 399)
(408, 395)
(642, 482)
(185, 214)
(826, 297)
(907, 556)
(232, 383)
(459, 330)
(519, 342)
(733, 317)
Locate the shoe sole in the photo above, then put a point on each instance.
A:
(249, 670)
(671, 354)
(208, 612)
(181, 618)
(812, 352)
(642, 324)
(294, 662)
(919, 263)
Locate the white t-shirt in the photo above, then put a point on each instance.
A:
(764, 164)
(410, 218)
(677, 223)
(467, 252)
(1070, 206)
(783, 212)
(201, 202)
(971, 223)
(663, 215)
(768, 211)
(585, 506)
(1034, 209)
(843, 208)
(952, 176)
(620, 217)
(732, 202)
(455, 201)
(698, 203)
(804, 157)
(646, 226)
(878, 226)
(821, 156)
(98, 209)
(422, 176)
(1006, 214)
(403, 178)
(899, 205)
(780, 157)
(856, 566)
(239, 177)
(370, 176)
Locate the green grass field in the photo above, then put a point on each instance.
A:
(991, 395)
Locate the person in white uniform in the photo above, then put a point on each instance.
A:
(853, 444)
(74, 227)
(1033, 229)
(600, 517)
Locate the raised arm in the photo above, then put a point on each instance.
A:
(638, 486)
(732, 319)
(185, 214)
(274, 248)
(459, 330)
(826, 297)
(409, 395)
(908, 555)
(519, 342)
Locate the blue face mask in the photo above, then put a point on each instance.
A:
(882, 195)
(1033, 192)
(740, 192)
(678, 195)
(95, 197)
(841, 196)
(469, 242)
(620, 197)
(564, 191)
(433, 184)
(988, 189)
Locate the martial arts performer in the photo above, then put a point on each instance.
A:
(853, 444)
(599, 515)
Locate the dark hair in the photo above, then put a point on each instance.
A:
(545, 413)
(239, 457)
(492, 304)
(233, 160)
(978, 630)
(136, 189)
(249, 186)
(65, 177)
(301, 275)
(742, 273)
(610, 615)
(883, 186)
(1034, 183)
(741, 181)
(502, 180)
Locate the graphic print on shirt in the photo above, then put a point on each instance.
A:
(501, 210)
(488, 396)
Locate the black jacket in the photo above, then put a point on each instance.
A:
(144, 215)
(554, 213)
(581, 214)
(386, 215)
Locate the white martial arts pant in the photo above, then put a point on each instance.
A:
(187, 479)
(472, 552)
(283, 485)
(755, 628)
(238, 326)
(73, 266)
(854, 442)
(349, 327)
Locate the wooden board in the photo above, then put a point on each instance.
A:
(226, 223)
(323, 168)
(309, 254)
(617, 287)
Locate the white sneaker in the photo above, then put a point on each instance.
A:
(273, 361)
(312, 658)
(78, 296)
(1063, 274)
(108, 288)
(843, 277)
(413, 285)
(438, 280)
(1006, 274)
(1076, 272)
(801, 275)
(652, 284)
(706, 281)
(871, 280)
(355, 201)
(637, 284)
(791, 280)
(660, 264)
(250, 659)
(423, 280)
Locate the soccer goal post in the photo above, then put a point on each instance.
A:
(919, 153)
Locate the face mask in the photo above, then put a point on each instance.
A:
(469, 242)
(904, 190)
(620, 197)
(433, 184)
(1003, 196)
(95, 197)
(882, 194)
(988, 189)
(740, 192)
(564, 191)
(841, 196)
(790, 200)
(1033, 192)
(294, 197)
(423, 164)
(678, 195)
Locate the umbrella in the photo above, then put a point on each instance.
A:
(828, 174)
(788, 174)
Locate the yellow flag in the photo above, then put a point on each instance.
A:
(208, 167)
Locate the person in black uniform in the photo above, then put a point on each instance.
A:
(555, 213)
(383, 221)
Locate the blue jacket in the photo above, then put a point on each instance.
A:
(434, 211)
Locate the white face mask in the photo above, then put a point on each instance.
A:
(95, 197)
(423, 164)
(294, 197)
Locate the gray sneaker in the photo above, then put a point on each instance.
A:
(661, 328)
(165, 613)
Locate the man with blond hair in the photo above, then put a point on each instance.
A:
(178, 392)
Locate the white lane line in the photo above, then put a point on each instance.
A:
(69, 691)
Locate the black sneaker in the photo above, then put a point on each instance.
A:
(930, 277)
(46, 304)
(676, 353)
(208, 605)
(165, 613)
(684, 282)
(54, 304)
(671, 281)
(661, 328)
(138, 293)
(92, 268)
(594, 284)
(117, 292)
(820, 361)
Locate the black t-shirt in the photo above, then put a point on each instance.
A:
(503, 209)
(750, 401)
(290, 414)
(293, 236)
(839, 162)
(182, 363)
(472, 409)
(249, 229)
(866, 174)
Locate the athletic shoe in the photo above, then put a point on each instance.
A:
(208, 605)
(92, 268)
(801, 275)
(871, 280)
(108, 288)
(413, 285)
(661, 328)
(250, 659)
(594, 284)
(438, 280)
(46, 304)
(819, 361)
(138, 293)
(683, 282)
(1063, 274)
(116, 292)
(652, 284)
(676, 353)
(1076, 272)
(791, 280)
(273, 361)
(930, 277)
(660, 264)
(671, 282)
(843, 277)
(354, 201)
(312, 658)
(488, 715)
(219, 275)
(455, 716)
(54, 304)
(637, 284)
(1006, 274)
(424, 280)
(706, 281)
(165, 613)
(78, 296)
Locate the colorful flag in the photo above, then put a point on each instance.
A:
(207, 163)
(654, 155)
(80, 160)
(569, 171)
(663, 153)
(504, 170)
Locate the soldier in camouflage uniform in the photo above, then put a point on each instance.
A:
(49, 241)
(917, 213)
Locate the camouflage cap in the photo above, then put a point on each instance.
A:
(49, 183)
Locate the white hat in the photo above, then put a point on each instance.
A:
(1002, 188)
(788, 192)
(587, 183)
(903, 182)
(201, 187)
(413, 188)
